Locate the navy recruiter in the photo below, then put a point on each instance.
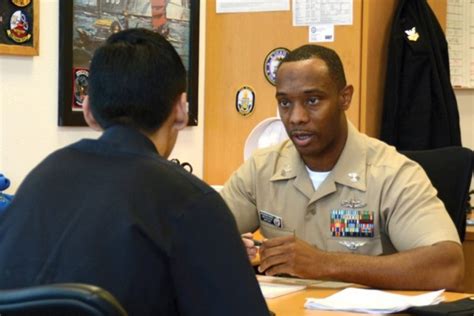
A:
(334, 203)
(115, 213)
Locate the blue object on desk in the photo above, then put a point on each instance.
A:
(5, 199)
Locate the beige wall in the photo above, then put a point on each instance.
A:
(465, 100)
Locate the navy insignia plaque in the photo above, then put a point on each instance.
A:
(245, 101)
(272, 61)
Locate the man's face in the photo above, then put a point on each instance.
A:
(312, 108)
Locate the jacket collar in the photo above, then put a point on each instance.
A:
(128, 139)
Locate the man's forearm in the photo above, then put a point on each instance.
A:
(425, 268)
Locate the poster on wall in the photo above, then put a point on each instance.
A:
(86, 24)
(19, 24)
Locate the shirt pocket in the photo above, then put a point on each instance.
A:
(364, 246)
(270, 231)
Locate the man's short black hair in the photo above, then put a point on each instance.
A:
(329, 56)
(134, 80)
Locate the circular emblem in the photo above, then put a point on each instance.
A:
(19, 30)
(21, 3)
(272, 61)
(245, 101)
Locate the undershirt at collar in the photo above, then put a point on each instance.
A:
(317, 177)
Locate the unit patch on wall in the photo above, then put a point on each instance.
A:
(245, 101)
(81, 84)
(19, 27)
(272, 61)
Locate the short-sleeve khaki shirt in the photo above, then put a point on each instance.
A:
(385, 201)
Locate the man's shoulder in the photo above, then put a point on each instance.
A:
(284, 150)
(179, 177)
(139, 169)
(150, 165)
(382, 155)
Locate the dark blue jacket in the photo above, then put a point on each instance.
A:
(420, 109)
(113, 213)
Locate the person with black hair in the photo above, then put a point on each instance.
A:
(334, 203)
(115, 213)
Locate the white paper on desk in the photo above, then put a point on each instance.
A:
(271, 290)
(372, 301)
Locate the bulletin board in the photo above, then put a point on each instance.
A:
(460, 37)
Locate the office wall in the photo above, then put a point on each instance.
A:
(28, 106)
(465, 100)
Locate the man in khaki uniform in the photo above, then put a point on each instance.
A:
(335, 203)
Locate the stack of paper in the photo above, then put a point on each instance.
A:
(372, 301)
(271, 290)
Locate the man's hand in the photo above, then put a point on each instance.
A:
(290, 255)
(252, 250)
(424, 268)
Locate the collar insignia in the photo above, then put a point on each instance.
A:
(412, 34)
(353, 176)
(285, 171)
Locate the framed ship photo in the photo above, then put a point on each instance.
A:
(86, 24)
(19, 23)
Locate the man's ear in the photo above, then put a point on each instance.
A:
(88, 116)
(181, 112)
(346, 97)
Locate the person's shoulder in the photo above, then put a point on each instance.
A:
(383, 155)
(283, 150)
(56, 157)
(174, 177)
(264, 161)
(153, 169)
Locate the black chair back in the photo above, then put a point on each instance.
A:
(73, 299)
(450, 172)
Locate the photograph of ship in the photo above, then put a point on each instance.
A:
(91, 22)
(95, 20)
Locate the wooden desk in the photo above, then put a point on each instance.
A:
(293, 304)
(468, 248)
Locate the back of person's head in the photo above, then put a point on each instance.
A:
(329, 56)
(135, 78)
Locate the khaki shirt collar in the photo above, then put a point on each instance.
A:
(350, 169)
(291, 166)
(347, 171)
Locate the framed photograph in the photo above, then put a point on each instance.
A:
(19, 23)
(86, 24)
